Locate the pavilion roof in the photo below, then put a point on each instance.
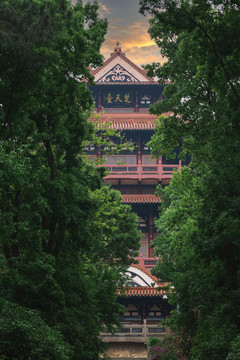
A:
(125, 121)
(146, 271)
(145, 291)
(158, 288)
(140, 199)
(134, 121)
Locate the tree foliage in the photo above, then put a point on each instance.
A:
(23, 332)
(199, 223)
(65, 238)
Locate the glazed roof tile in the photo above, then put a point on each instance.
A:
(140, 199)
(134, 121)
(125, 121)
(145, 291)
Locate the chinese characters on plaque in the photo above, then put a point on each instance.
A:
(118, 99)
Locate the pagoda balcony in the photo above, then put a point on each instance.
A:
(147, 262)
(140, 172)
(136, 333)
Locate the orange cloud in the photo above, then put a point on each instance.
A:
(103, 9)
(135, 42)
(131, 31)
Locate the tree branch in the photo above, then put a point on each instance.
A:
(50, 158)
(215, 52)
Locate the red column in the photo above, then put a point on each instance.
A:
(136, 107)
(150, 233)
(139, 152)
(139, 159)
(99, 108)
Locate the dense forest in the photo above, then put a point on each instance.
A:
(65, 238)
(199, 222)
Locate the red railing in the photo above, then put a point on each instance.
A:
(147, 263)
(139, 172)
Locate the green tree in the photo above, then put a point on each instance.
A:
(23, 333)
(55, 253)
(199, 223)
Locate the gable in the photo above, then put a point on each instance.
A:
(118, 74)
(119, 69)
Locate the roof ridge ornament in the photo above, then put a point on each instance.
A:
(117, 48)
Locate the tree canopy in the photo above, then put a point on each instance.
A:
(199, 220)
(65, 238)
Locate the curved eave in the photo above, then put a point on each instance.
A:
(127, 121)
(131, 125)
(124, 121)
(145, 271)
(140, 199)
(142, 292)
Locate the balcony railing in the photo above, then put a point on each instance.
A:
(147, 263)
(135, 333)
(159, 171)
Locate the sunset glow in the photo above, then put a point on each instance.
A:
(130, 28)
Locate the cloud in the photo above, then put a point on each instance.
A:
(104, 8)
(135, 42)
(145, 55)
(130, 28)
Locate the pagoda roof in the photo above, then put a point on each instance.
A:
(146, 272)
(126, 121)
(144, 291)
(118, 69)
(140, 199)
(157, 288)
(133, 121)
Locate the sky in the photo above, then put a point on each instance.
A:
(130, 28)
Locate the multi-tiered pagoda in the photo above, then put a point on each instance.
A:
(123, 94)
